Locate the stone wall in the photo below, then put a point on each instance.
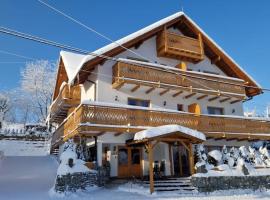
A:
(80, 181)
(210, 184)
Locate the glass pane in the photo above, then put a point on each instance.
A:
(135, 156)
(215, 111)
(122, 156)
(138, 102)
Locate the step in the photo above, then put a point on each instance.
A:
(176, 189)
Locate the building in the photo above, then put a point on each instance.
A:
(170, 72)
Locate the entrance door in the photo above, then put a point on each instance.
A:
(180, 161)
(129, 162)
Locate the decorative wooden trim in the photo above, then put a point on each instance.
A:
(235, 101)
(202, 97)
(150, 90)
(164, 92)
(190, 95)
(177, 93)
(213, 98)
(135, 88)
(225, 99)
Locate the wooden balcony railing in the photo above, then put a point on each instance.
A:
(157, 77)
(68, 97)
(181, 47)
(94, 119)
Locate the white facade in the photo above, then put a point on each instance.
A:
(101, 90)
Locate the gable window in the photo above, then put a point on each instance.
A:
(138, 102)
(180, 107)
(215, 111)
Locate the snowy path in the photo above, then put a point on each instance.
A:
(27, 178)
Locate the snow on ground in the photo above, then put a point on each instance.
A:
(27, 178)
(24, 148)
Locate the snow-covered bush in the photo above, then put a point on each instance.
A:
(265, 156)
(69, 162)
(215, 157)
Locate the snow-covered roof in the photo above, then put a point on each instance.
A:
(74, 62)
(167, 129)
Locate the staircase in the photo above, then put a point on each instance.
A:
(177, 185)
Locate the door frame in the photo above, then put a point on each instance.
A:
(127, 171)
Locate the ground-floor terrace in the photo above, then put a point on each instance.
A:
(108, 131)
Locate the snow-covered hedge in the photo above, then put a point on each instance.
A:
(233, 162)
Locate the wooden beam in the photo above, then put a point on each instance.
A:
(119, 133)
(177, 93)
(187, 148)
(202, 97)
(213, 98)
(150, 90)
(101, 133)
(224, 100)
(235, 101)
(170, 158)
(190, 95)
(191, 159)
(151, 172)
(215, 60)
(135, 88)
(119, 85)
(164, 92)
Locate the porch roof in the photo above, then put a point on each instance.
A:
(169, 133)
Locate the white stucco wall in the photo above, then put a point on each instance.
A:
(148, 49)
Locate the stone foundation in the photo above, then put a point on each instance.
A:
(210, 184)
(80, 181)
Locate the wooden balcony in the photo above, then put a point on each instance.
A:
(178, 81)
(69, 97)
(97, 119)
(181, 47)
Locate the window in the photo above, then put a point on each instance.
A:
(180, 107)
(215, 111)
(123, 156)
(138, 102)
(135, 156)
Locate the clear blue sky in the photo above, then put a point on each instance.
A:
(241, 28)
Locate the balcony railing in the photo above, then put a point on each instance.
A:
(139, 73)
(181, 47)
(97, 118)
(68, 97)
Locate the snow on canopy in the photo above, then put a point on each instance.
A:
(166, 129)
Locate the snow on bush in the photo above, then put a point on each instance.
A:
(69, 163)
(235, 162)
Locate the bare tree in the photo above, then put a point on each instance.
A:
(4, 107)
(38, 79)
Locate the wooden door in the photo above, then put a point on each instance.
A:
(129, 162)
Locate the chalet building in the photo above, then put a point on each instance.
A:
(168, 73)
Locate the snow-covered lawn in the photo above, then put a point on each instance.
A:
(27, 178)
(24, 148)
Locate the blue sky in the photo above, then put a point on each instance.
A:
(241, 28)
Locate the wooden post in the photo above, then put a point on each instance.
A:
(180, 161)
(191, 159)
(170, 157)
(151, 173)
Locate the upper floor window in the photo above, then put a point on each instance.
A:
(180, 107)
(215, 111)
(138, 102)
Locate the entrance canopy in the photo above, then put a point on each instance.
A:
(169, 133)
